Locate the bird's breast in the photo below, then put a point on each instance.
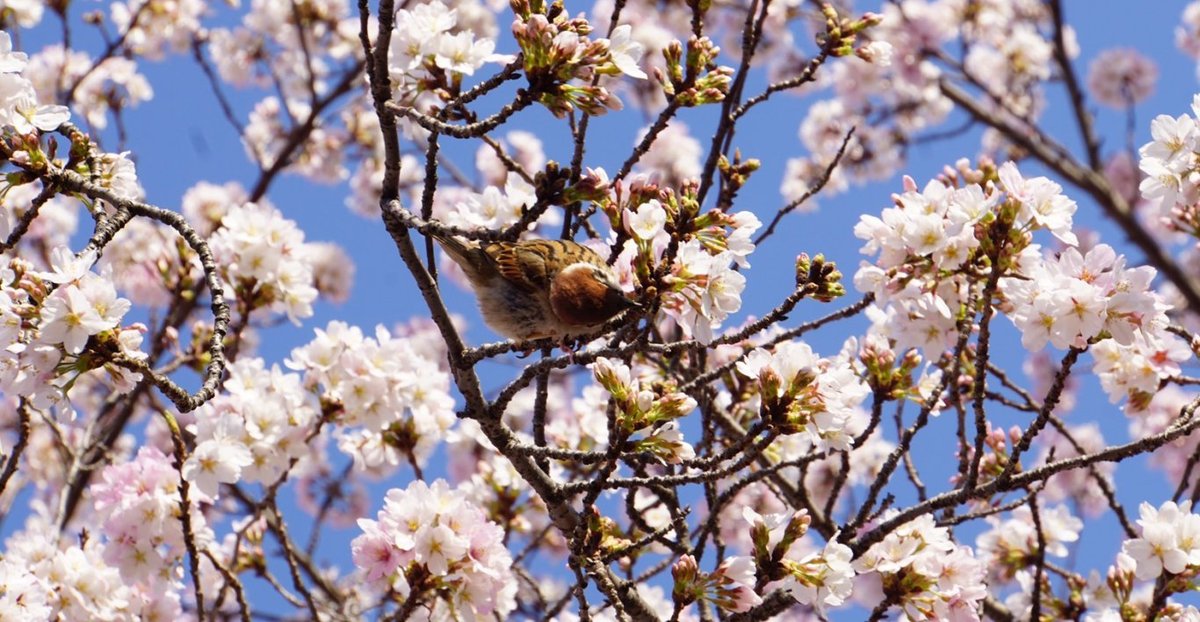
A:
(516, 313)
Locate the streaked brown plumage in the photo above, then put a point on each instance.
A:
(539, 288)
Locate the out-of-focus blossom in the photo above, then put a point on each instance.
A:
(1121, 78)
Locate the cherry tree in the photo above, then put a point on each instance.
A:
(703, 453)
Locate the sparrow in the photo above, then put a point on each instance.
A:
(535, 289)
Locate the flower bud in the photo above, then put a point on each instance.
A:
(685, 572)
(613, 376)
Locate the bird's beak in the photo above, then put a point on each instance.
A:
(616, 300)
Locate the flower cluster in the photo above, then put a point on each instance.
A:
(151, 262)
(151, 27)
(702, 287)
(641, 405)
(433, 47)
(1012, 54)
(937, 247)
(1007, 54)
(256, 431)
(280, 41)
(494, 208)
(730, 586)
(931, 577)
(1116, 595)
(25, 597)
(1015, 544)
(264, 260)
(821, 579)
(138, 505)
(921, 242)
(304, 53)
(1170, 540)
(387, 386)
(428, 40)
(783, 427)
(558, 56)
(268, 137)
(1075, 298)
(19, 107)
(1171, 170)
(82, 305)
(691, 76)
(1135, 371)
(47, 577)
(58, 324)
(431, 541)
(801, 393)
(102, 86)
(704, 290)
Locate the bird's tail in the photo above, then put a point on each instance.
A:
(467, 254)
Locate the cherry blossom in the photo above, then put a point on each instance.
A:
(431, 537)
(1121, 78)
(164, 458)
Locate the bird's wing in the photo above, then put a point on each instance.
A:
(586, 254)
(528, 265)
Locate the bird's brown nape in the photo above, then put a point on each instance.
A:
(578, 299)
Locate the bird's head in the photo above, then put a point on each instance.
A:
(584, 294)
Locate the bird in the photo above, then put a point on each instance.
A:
(535, 289)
